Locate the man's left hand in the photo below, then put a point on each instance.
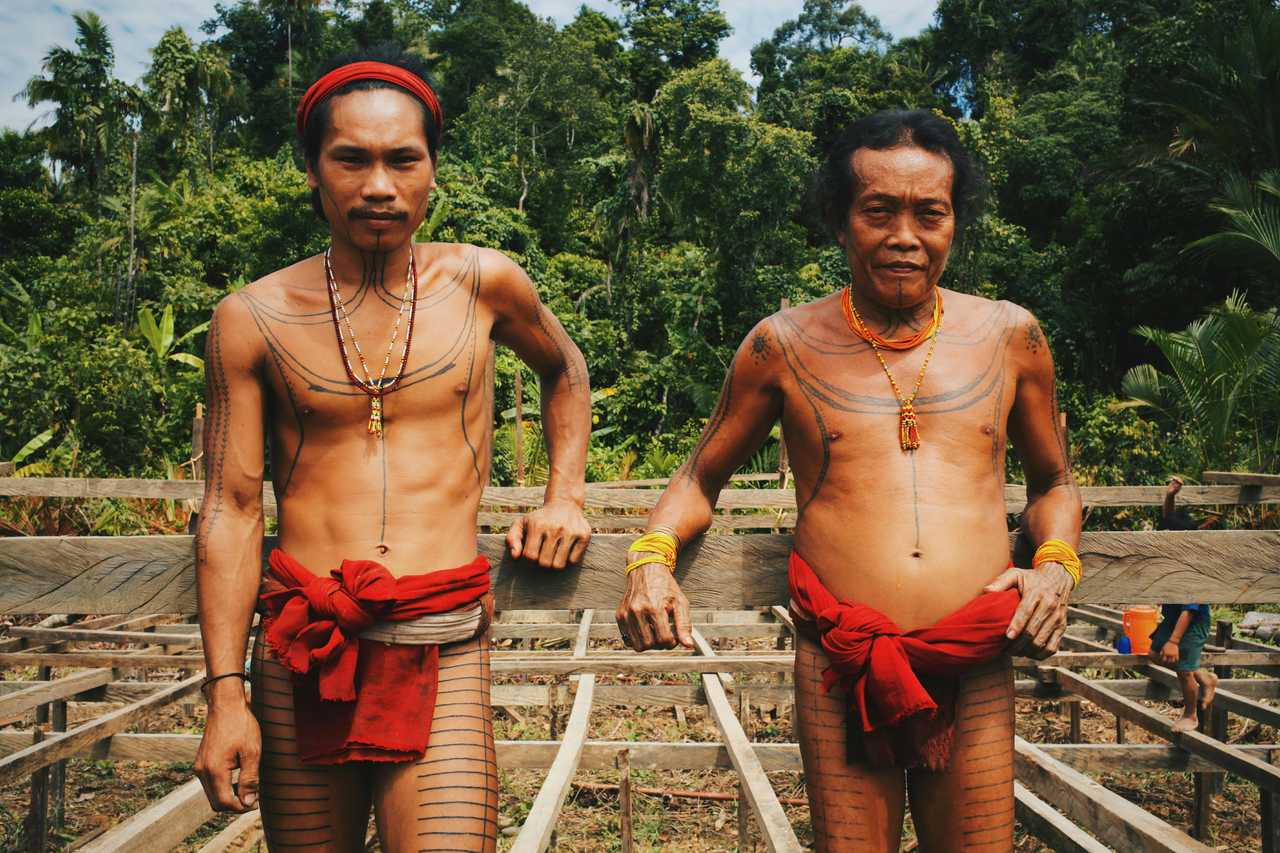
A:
(1041, 619)
(554, 535)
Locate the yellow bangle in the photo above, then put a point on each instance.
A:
(1057, 551)
(660, 546)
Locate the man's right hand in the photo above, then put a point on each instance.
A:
(231, 739)
(653, 601)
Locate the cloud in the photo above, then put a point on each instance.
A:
(136, 26)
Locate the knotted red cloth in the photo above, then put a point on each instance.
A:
(895, 718)
(359, 700)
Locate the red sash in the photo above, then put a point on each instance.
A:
(896, 719)
(354, 700)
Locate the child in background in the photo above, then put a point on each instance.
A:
(1183, 630)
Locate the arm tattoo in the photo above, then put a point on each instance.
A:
(218, 399)
(714, 423)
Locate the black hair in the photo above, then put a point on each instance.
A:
(836, 183)
(318, 122)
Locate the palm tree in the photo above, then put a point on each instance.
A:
(88, 103)
(1224, 382)
(1253, 222)
(287, 9)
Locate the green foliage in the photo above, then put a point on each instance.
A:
(658, 203)
(1223, 383)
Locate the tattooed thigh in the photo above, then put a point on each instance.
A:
(304, 807)
(447, 801)
(852, 807)
(969, 806)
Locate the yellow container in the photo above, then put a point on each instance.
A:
(1138, 623)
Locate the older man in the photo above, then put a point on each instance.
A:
(367, 366)
(897, 398)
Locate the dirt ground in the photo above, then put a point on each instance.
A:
(102, 793)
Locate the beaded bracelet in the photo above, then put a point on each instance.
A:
(1057, 551)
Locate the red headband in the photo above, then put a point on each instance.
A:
(341, 76)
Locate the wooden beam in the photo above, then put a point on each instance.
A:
(1225, 488)
(66, 744)
(161, 826)
(1233, 702)
(73, 634)
(1107, 815)
(15, 704)
(1139, 758)
(1239, 478)
(128, 574)
(535, 835)
(1045, 823)
(769, 814)
(602, 631)
(1226, 757)
(121, 659)
(237, 836)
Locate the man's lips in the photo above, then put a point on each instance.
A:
(377, 216)
(901, 267)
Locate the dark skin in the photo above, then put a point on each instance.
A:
(409, 498)
(912, 534)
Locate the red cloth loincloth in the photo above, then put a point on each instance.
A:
(359, 700)
(896, 717)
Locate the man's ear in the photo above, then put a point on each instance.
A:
(312, 181)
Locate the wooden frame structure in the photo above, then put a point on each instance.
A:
(736, 586)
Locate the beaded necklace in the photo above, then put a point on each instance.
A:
(377, 389)
(908, 426)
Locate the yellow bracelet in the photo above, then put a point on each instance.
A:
(660, 546)
(1057, 551)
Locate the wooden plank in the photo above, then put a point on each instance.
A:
(238, 835)
(1240, 478)
(94, 658)
(1224, 488)
(1045, 823)
(125, 574)
(16, 704)
(1107, 815)
(1225, 698)
(1139, 758)
(66, 744)
(1226, 757)
(602, 631)
(769, 814)
(161, 826)
(64, 635)
(538, 827)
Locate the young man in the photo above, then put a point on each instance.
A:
(1183, 630)
(367, 366)
(896, 398)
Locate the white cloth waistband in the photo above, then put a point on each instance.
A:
(434, 629)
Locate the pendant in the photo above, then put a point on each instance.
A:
(375, 415)
(908, 429)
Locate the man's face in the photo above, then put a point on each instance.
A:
(898, 230)
(374, 172)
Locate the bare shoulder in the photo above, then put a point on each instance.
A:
(501, 279)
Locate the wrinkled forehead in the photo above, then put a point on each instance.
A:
(376, 119)
(905, 172)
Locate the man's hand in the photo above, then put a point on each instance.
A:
(231, 739)
(1041, 619)
(653, 600)
(1169, 653)
(555, 534)
(1175, 486)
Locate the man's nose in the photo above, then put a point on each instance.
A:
(378, 185)
(902, 236)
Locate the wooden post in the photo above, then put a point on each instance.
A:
(197, 443)
(58, 778)
(1119, 729)
(1269, 812)
(518, 427)
(624, 798)
(784, 467)
(37, 816)
(1073, 709)
(1202, 806)
(745, 842)
(1218, 718)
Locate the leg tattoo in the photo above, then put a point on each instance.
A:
(852, 807)
(304, 807)
(448, 801)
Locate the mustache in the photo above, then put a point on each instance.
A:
(374, 213)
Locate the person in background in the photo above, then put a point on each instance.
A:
(1183, 630)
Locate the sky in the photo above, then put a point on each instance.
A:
(136, 25)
